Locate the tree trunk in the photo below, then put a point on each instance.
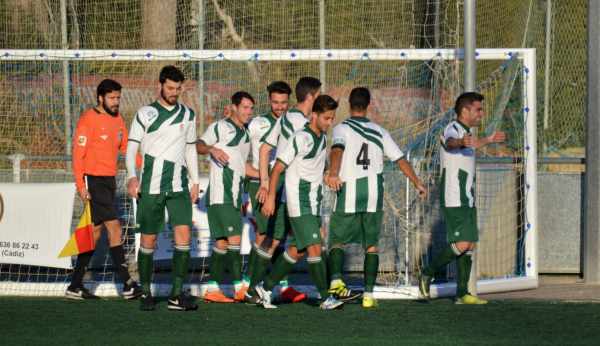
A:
(36, 11)
(159, 24)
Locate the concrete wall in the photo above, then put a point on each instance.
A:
(560, 213)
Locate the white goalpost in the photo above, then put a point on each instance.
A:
(413, 93)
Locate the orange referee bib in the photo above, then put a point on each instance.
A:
(98, 139)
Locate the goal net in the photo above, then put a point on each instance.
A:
(413, 92)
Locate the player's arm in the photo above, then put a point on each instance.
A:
(454, 141)
(264, 153)
(206, 144)
(251, 172)
(191, 159)
(254, 134)
(269, 205)
(80, 144)
(409, 172)
(474, 142)
(296, 147)
(332, 179)
(268, 143)
(393, 152)
(138, 129)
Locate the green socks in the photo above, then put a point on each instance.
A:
(318, 274)
(235, 262)
(261, 263)
(336, 263)
(181, 260)
(251, 260)
(283, 265)
(463, 268)
(145, 268)
(218, 262)
(442, 259)
(371, 266)
(284, 284)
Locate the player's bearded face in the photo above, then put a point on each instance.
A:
(279, 103)
(325, 120)
(244, 110)
(170, 91)
(110, 102)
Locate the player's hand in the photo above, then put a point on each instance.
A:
(334, 183)
(497, 137)
(324, 235)
(262, 194)
(422, 190)
(469, 141)
(133, 187)
(194, 192)
(219, 155)
(268, 208)
(84, 194)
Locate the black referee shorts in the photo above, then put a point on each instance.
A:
(102, 191)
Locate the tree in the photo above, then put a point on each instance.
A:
(159, 24)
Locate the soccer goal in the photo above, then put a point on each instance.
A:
(413, 91)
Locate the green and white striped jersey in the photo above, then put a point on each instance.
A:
(163, 135)
(287, 124)
(458, 169)
(225, 182)
(304, 158)
(365, 143)
(258, 128)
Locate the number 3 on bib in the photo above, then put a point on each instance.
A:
(362, 159)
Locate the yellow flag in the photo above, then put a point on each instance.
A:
(82, 240)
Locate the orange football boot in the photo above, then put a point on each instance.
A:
(217, 297)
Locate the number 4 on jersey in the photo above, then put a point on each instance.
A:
(362, 159)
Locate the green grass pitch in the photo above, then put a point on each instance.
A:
(114, 321)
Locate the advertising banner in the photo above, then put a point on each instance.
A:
(35, 223)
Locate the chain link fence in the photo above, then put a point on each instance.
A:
(555, 28)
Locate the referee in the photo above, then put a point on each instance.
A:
(99, 137)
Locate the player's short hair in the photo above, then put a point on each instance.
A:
(305, 86)
(279, 87)
(107, 86)
(237, 98)
(324, 103)
(465, 100)
(170, 72)
(359, 99)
